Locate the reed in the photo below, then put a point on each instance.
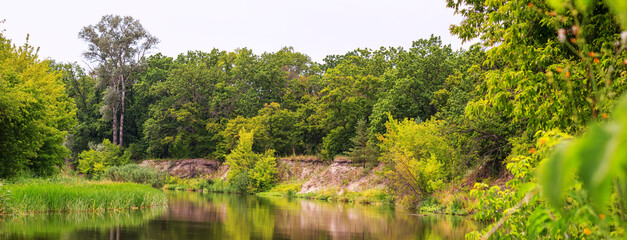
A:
(69, 195)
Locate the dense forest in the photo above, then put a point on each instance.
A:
(532, 103)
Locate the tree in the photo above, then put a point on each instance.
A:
(118, 45)
(363, 150)
(351, 89)
(411, 85)
(82, 88)
(256, 171)
(418, 158)
(537, 74)
(35, 112)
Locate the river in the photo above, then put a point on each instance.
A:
(193, 215)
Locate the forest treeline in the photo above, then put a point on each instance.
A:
(194, 105)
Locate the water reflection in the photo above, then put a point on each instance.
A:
(221, 216)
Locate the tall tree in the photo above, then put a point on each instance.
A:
(118, 45)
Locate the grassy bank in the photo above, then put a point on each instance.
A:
(75, 194)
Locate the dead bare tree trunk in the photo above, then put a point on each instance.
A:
(115, 124)
(123, 99)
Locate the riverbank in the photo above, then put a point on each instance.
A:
(310, 178)
(75, 194)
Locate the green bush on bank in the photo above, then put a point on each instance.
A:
(95, 161)
(189, 184)
(250, 171)
(73, 194)
(137, 174)
(370, 196)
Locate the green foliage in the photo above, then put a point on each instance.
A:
(370, 196)
(87, 98)
(189, 184)
(363, 150)
(555, 85)
(35, 112)
(264, 174)
(249, 171)
(283, 133)
(287, 189)
(417, 157)
(583, 175)
(95, 161)
(195, 104)
(559, 70)
(220, 186)
(491, 201)
(413, 84)
(137, 174)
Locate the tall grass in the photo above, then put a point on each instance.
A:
(137, 174)
(72, 194)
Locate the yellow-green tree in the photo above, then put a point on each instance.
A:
(417, 156)
(250, 171)
(35, 112)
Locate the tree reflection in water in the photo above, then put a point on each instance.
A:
(223, 216)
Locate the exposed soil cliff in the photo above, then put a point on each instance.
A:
(188, 168)
(314, 174)
(341, 175)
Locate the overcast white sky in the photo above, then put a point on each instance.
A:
(316, 28)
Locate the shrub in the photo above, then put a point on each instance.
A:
(137, 174)
(250, 171)
(95, 161)
(190, 184)
(287, 189)
(219, 185)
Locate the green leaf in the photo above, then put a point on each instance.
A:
(537, 222)
(596, 151)
(556, 173)
(620, 9)
(524, 189)
(583, 5)
(558, 5)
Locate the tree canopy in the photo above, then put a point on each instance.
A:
(35, 112)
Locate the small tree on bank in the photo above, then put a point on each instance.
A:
(250, 171)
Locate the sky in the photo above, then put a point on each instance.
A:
(316, 28)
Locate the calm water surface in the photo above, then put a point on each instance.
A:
(222, 216)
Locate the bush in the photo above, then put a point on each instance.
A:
(250, 171)
(95, 161)
(190, 184)
(137, 174)
(219, 185)
(287, 189)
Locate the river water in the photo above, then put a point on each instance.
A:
(225, 216)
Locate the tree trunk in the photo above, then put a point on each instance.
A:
(121, 139)
(115, 124)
